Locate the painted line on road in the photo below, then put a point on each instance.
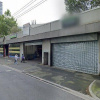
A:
(68, 90)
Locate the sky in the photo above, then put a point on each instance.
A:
(49, 11)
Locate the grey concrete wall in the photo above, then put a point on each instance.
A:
(40, 29)
(79, 30)
(56, 25)
(87, 17)
(90, 16)
(78, 38)
(35, 25)
(46, 47)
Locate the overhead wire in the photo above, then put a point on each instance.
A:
(24, 7)
(33, 7)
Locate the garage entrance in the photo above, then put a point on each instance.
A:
(81, 56)
(33, 51)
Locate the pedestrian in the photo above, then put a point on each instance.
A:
(23, 58)
(16, 58)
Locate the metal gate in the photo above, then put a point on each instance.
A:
(80, 56)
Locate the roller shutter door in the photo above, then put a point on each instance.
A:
(80, 56)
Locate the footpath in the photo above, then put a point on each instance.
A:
(71, 79)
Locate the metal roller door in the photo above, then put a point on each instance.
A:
(80, 56)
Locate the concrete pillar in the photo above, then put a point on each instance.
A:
(46, 47)
(8, 50)
(21, 49)
(4, 51)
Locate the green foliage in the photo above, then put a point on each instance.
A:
(7, 24)
(76, 6)
(96, 88)
(15, 29)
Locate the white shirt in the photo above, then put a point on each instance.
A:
(16, 57)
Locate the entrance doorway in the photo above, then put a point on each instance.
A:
(33, 52)
(6, 50)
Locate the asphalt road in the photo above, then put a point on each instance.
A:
(18, 86)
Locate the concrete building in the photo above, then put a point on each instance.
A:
(1, 8)
(72, 48)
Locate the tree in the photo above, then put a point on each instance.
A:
(15, 29)
(95, 3)
(7, 24)
(77, 6)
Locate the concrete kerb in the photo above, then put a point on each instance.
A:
(73, 92)
(12, 68)
(90, 91)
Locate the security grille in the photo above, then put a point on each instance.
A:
(81, 56)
